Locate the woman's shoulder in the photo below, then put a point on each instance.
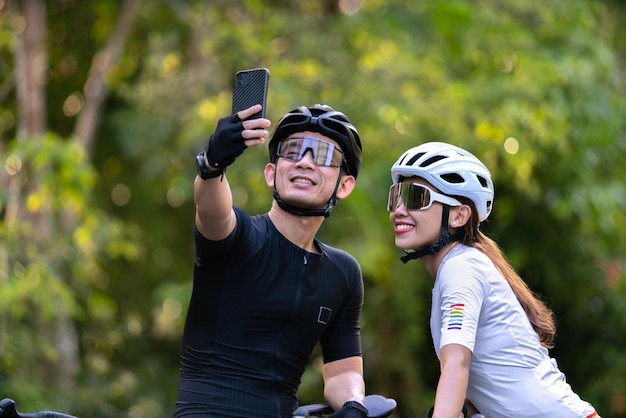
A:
(464, 254)
(463, 261)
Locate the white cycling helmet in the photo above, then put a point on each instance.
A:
(452, 170)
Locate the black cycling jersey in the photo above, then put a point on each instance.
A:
(259, 306)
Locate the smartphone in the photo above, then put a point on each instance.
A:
(250, 89)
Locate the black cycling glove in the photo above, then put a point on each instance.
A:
(226, 143)
(350, 409)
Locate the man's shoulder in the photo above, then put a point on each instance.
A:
(246, 221)
(337, 254)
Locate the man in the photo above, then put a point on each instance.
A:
(265, 289)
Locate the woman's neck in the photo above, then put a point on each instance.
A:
(432, 262)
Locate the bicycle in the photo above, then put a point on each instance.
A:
(377, 405)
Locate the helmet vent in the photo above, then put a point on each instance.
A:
(414, 158)
(453, 178)
(483, 181)
(432, 160)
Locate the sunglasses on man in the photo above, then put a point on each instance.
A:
(416, 196)
(324, 153)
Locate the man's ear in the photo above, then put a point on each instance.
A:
(346, 185)
(270, 174)
(459, 216)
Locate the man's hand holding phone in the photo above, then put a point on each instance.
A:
(255, 130)
(246, 126)
(233, 135)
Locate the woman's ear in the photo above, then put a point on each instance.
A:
(459, 216)
(270, 174)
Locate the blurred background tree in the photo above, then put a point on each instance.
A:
(103, 105)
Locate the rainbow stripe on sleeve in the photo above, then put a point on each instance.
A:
(457, 313)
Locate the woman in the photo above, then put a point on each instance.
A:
(490, 332)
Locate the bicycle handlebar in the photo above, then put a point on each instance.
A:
(8, 410)
(377, 406)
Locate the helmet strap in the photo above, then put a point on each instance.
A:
(309, 212)
(446, 238)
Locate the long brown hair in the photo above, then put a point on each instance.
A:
(540, 316)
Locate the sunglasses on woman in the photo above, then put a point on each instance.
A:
(324, 153)
(416, 197)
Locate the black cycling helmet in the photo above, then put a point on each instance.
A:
(326, 121)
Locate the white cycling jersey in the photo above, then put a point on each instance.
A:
(511, 374)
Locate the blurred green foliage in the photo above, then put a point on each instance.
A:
(98, 249)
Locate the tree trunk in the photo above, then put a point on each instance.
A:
(31, 72)
(31, 64)
(95, 87)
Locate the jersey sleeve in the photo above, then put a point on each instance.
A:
(459, 293)
(342, 338)
(206, 248)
